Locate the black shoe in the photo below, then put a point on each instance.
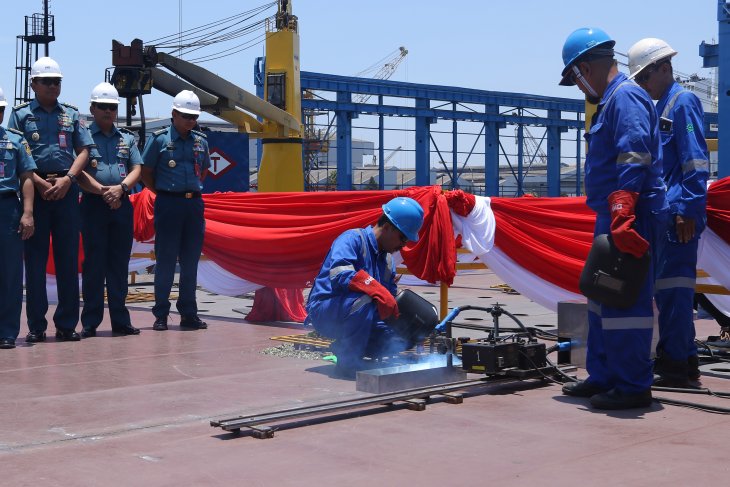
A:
(125, 330)
(693, 368)
(88, 332)
(615, 399)
(671, 373)
(582, 388)
(193, 322)
(35, 336)
(7, 343)
(160, 324)
(63, 335)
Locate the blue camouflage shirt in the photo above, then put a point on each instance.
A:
(53, 135)
(15, 159)
(112, 156)
(177, 163)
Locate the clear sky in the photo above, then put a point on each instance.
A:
(499, 45)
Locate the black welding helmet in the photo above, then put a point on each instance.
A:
(612, 277)
(417, 319)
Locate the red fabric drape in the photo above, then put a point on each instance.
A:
(718, 208)
(550, 237)
(277, 305)
(279, 240)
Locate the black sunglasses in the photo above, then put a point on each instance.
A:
(107, 106)
(644, 76)
(50, 81)
(188, 116)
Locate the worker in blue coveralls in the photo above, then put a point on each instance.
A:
(354, 291)
(175, 162)
(16, 218)
(59, 141)
(686, 168)
(107, 223)
(623, 184)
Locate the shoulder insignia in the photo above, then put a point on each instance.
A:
(22, 105)
(125, 131)
(70, 106)
(159, 132)
(197, 132)
(25, 145)
(15, 131)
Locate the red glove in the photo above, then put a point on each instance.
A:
(625, 237)
(365, 283)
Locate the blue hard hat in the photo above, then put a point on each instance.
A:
(406, 214)
(580, 42)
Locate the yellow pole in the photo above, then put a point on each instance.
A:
(281, 160)
(444, 300)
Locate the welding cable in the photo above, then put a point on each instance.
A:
(537, 369)
(688, 390)
(693, 405)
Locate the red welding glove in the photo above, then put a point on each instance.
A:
(365, 283)
(625, 236)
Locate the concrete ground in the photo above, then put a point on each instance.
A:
(135, 411)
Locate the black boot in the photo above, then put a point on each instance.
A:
(671, 373)
(615, 399)
(693, 367)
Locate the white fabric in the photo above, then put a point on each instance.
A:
(528, 284)
(477, 229)
(713, 256)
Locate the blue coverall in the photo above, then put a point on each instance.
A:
(351, 318)
(624, 153)
(15, 159)
(179, 220)
(107, 233)
(52, 137)
(686, 166)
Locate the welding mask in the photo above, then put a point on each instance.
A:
(611, 277)
(417, 318)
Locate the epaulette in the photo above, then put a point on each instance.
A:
(159, 132)
(125, 131)
(22, 105)
(70, 106)
(197, 132)
(15, 131)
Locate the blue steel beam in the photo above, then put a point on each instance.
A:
(344, 144)
(553, 156)
(424, 111)
(491, 152)
(423, 143)
(332, 82)
(723, 88)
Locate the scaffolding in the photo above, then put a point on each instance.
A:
(39, 31)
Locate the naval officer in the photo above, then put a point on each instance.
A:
(16, 221)
(107, 222)
(59, 143)
(175, 162)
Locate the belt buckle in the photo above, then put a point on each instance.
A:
(52, 175)
(188, 195)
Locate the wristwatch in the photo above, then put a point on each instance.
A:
(125, 188)
(71, 176)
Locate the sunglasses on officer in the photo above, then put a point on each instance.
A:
(49, 81)
(106, 106)
(188, 116)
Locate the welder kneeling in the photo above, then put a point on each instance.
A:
(354, 292)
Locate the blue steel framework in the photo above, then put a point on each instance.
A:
(718, 56)
(427, 104)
